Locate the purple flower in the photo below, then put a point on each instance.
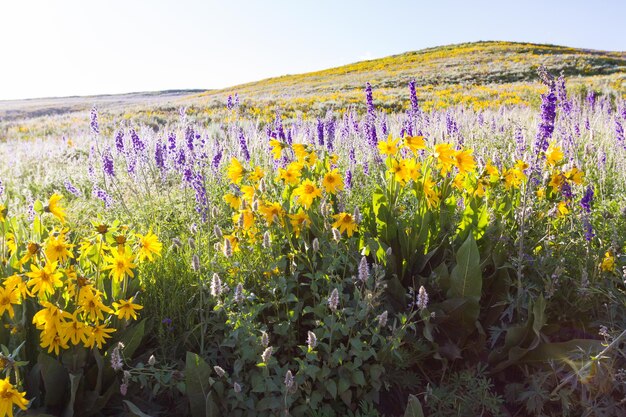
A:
(243, 145)
(320, 132)
(94, 121)
(171, 142)
(587, 199)
(1, 189)
(546, 125)
(100, 194)
(591, 99)
(349, 179)
(329, 131)
(189, 137)
(119, 141)
(215, 163)
(564, 103)
(619, 133)
(278, 127)
(370, 118)
(229, 102)
(414, 105)
(107, 162)
(159, 155)
(520, 141)
(72, 189)
(138, 144)
(589, 234)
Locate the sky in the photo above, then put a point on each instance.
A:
(84, 47)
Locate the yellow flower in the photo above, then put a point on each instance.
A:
(556, 180)
(608, 263)
(399, 170)
(258, 174)
(246, 217)
(49, 317)
(306, 193)
(562, 209)
(464, 161)
(300, 151)
(513, 178)
(521, 165)
(233, 201)
(8, 297)
(575, 175)
(345, 223)
(272, 212)
(125, 309)
(120, 265)
(44, 280)
(554, 154)
(415, 143)
(291, 175)
(97, 335)
(149, 246)
(33, 250)
(90, 301)
(430, 193)
(492, 171)
(3, 212)
(299, 221)
(445, 156)
(235, 171)
(277, 148)
(53, 340)
(390, 147)
(55, 208)
(413, 169)
(74, 331)
(332, 182)
(15, 282)
(10, 396)
(247, 192)
(58, 249)
(541, 193)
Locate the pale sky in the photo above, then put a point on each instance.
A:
(82, 47)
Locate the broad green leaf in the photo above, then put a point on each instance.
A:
(134, 410)
(413, 408)
(55, 380)
(198, 382)
(74, 383)
(466, 278)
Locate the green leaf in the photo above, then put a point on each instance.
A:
(74, 383)
(198, 384)
(55, 380)
(38, 207)
(331, 387)
(413, 408)
(466, 278)
(134, 410)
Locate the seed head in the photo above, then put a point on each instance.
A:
(363, 270)
(238, 297)
(265, 339)
(228, 248)
(422, 298)
(219, 371)
(311, 340)
(237, 387)
(289, 380)
(216, 285)
(267, 354)
(333, 300)
(315, 245)
(382, 319)
(195, 263)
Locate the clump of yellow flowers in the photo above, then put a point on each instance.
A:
(82, 287)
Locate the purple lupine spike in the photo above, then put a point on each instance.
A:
(589, 234)
(587, 199)
(587, 124)
(366, 168)
(236, 101)
(564, 103)
(383, 125)
(95, 128)
(243, 145)
(481, 119)
(190, 137)
(91, 171)
(566, 190)
(290, 136)
(320, 132)
(278, 127)
(107, 163)
(329, 131)
(119, 141)
(102, 195)
(520, 143)
(217, 158)
(370, 119)
(348, 179)
(407, 128)
(352, 156)
(601, 159)
(159, 155)
(181, 158)
(71, 189)
(546, 125)
(619, 133)
(171, 142)
(591, 99)
(415, 109)
(229, 102)
(1, 189)
(138, 144)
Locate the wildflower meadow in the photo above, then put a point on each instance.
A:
(414, 261)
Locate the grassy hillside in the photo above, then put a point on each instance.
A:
(477, 75)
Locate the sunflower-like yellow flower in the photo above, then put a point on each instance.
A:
(277, 148)
(299, 221)
(125, 309)
(55, 208)
(575, 175)
(430, 193)
(233, 201)
(97, 335)
(291, 174)
(444, 153)
(554, 154)
(10, 396)
(306, 193)
(3, 212)
(608, 262)
(272, 212)
(235, 171)
(8, 298)
(149, 246)
(399, 170)
(53, 340)
(74, 330)
(257, 174)
(388, 147)
(120, 265)
(300, 151)
(57, 248)
(332, 182)
(91, 303)
(464, 161)
(562, 209)
(44, 280)
(513, 178)
(414, 143)
(345, 223)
